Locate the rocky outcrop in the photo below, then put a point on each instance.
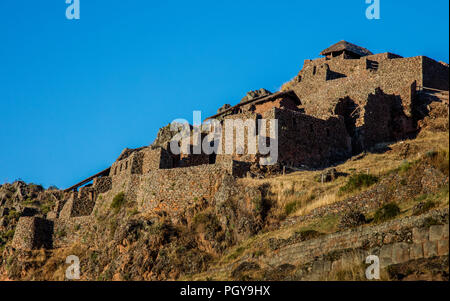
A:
(256, 94)
(223, 108)
(165, 134)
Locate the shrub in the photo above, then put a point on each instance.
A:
(118, 201)
(133, 212)
(61, 233)
(421, 197)
(386, 212)
(94, 257)
(45, 208)
(12, 215)
(352, 218)
(258, 253)
(207, 222)
(113, 224)
(307, 234)
(201, 218)
(238, 252)
(439, 160)
(8, 235)
(258, 204)
(405, 166)
(423, 207)
(36, 187)
(291, 207)
(430, 221)
(358, 181)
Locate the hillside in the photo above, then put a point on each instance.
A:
(126, 244)
(362, 169)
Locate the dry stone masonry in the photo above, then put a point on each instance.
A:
(337, 106)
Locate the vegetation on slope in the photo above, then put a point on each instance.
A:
(125, 244)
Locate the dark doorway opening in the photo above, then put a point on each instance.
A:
(348, 109)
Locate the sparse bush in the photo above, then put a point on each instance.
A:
(258, 203)
(118, 202)
(423, 207)
(12, 215)
(439, 160)
(238, 252)
(431, 154)
(307, 234)
(201, 218)
(291, 207)
(94, 257)
(61, 233)
(352, 218)
(113, 224)
(258, 253)
(386, 212)
(209, 223)
(45, 208)
(37, 187)
(358, 181)
(133, 212)
(8, 235)
(405, 166)
(294, 205)
(238, 272)
(421, 197)
(430, 221)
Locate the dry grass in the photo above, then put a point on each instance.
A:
(301, 188)
(299, 193)
(50, 265)
(353, 268)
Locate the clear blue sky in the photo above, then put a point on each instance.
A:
(73, 94)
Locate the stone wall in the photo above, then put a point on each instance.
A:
(319, 97)
(102, 184)
(79, 203)
(33, 233)
(383, 120)
(187, 160)
(281, 103)
(394, 242)
(435, 74)
(310, 141)
(124, 166)
(172, 190)
(154, 159)
(69, 231)
(302, 139)
(84, 203)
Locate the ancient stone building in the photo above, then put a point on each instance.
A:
(344, 103)
(339, 105)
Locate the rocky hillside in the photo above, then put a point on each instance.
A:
(304, 225)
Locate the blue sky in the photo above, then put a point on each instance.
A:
(74, 93)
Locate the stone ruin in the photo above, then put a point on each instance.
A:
(337, 106)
